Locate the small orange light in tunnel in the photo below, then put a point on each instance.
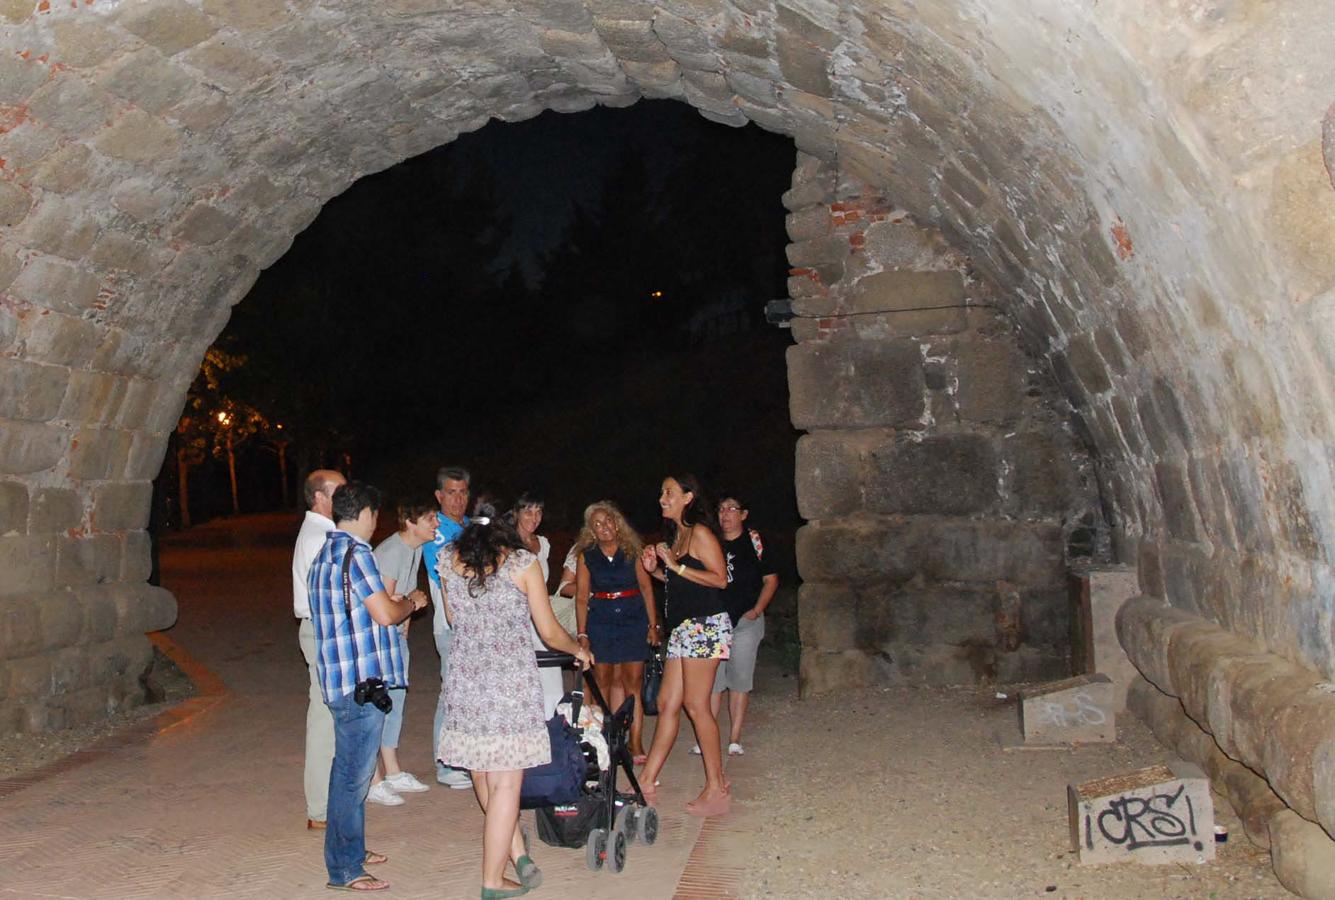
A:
(657, 295)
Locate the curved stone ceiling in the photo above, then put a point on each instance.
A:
(1144, 181)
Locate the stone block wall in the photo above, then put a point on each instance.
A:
(943, 488)
(76, 454)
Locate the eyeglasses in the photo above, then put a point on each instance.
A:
(729, 509)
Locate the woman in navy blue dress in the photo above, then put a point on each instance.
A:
(615, 610)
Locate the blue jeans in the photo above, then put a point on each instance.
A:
(356, 744)
(443, 641)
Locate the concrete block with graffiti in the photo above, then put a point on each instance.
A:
(1075, 710)
(1161, 814)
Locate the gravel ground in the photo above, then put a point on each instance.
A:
(908, 793)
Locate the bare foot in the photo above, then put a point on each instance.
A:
(710, 803)
(707, 795)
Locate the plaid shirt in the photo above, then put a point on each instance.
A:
(349, 652)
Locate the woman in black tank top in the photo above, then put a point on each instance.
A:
(691, 564)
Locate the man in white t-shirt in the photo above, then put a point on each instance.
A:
(319, 493)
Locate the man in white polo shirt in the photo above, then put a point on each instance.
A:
(319, 493)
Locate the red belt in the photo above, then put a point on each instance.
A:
(615, 595)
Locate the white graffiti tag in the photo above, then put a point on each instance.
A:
(1080, 710)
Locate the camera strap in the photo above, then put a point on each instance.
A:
(347, 605)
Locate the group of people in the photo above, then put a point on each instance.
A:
(487, 577)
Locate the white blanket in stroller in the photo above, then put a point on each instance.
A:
(590, 725)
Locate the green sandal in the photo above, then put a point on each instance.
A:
(530, 876)
(502, 893)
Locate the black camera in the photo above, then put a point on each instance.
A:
(375, 692)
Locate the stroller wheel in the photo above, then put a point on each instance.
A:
(626, 823)
(646, 825)
(616, 853)
(595, 851)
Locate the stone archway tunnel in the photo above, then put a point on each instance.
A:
(1064, 275)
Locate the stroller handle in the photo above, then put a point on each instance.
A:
(554, 659)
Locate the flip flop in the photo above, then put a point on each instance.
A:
(374, 859)
(360, 884)
(640, 759)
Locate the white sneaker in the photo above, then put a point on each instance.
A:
(383, 794)
(735, 749)
(695, 750)
(405, 783)
(457, 779)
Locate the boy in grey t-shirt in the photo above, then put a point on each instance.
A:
(399, 557)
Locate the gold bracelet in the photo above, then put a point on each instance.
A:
(681, 570)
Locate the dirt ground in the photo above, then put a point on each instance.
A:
(21, 754)
(908, 793)
(875, 793)
(887, 793)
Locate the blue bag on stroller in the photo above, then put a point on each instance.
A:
(560, 781)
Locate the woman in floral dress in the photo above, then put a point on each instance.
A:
(492, 697)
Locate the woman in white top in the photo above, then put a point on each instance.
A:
(527, 516)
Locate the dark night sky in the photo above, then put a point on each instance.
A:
(501, 285)
(543, 166)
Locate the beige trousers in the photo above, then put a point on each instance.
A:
(319, 732)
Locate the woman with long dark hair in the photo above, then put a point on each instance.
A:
(492, 710)
(690, 562)
(526, 516)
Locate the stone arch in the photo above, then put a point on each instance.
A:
(1143, 185)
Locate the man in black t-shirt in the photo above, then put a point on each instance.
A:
(752, 583)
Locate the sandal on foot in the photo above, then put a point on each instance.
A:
(735, 749)
(359, 884)
(530, 876)
(640, 759)
(374, 859)
(502, 893)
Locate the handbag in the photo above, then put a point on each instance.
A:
(653, 678)
(560, 781)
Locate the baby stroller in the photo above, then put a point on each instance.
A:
(602, 819)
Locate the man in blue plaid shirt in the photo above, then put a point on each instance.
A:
(354, 641)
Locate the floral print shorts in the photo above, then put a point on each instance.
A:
(707, 638)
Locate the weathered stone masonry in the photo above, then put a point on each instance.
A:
(1141, 185)
(943, 489)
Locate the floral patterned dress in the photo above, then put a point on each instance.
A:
(492, 697)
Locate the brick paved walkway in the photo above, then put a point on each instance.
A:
(210, 804)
